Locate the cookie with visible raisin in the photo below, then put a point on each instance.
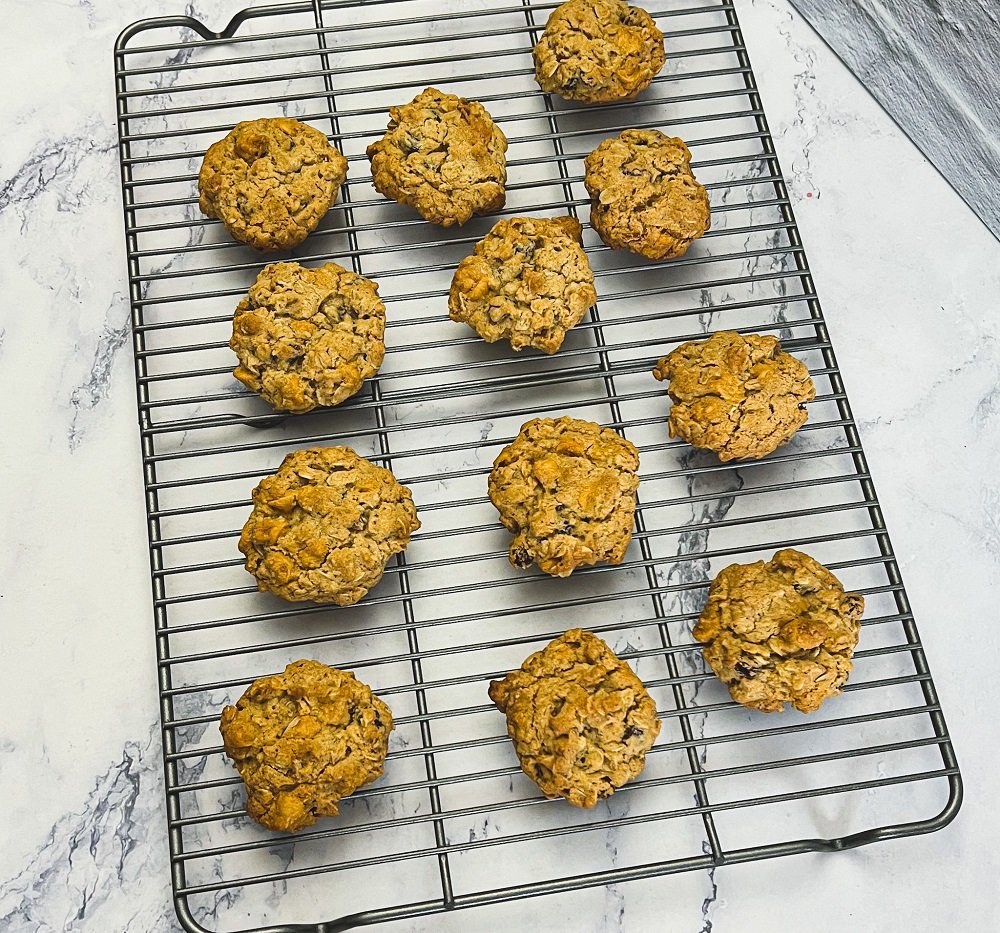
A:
(780, 631)
(303, 740)
(580, 719)
(566, 488)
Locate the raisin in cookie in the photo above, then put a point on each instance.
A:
(442, 155)
(580, 719)
(325, 525)
(271, 181)
(529, 282)
(644, 196)
(566, 489)
(308, 337)
(597, 51)
(303, 740)
(780, 632)
(741, 396)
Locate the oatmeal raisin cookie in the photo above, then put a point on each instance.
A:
(597, 51)
(325, 525)
(443, 156)
(303, 740)
(580, 719)
(740, 396)
(308, 337)
(528, 282)
(566, 489)
(780, 632)
(271, 181)
(644, 196)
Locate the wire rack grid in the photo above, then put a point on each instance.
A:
(453, 823)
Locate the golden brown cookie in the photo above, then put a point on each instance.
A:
(303, 740)
(325, 525)
(566, 489)
(580, 719)
(597, 51)
(271, 181)
(741, 396)
(442, 155)
(644, 196)
(780, 632)
(529, 282)
(308, 337)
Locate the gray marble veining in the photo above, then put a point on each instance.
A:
(83, 830)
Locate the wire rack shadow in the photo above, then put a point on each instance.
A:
(453, 823)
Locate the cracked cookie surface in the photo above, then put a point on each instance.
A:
(303, 740)
(644, 196)
(308, 337)
(581, 721)
(271, 181)
(443, 156)
(598, 51)
(566, 489)
(780, 632)
(740, 396)
(528, 282)
(325, 525)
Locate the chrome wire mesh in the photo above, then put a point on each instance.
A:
(454, 823)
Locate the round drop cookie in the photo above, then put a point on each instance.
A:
(740, 396)
(566, 489)
(308, 337)
(270, 181)
(644, 196)
(528, 282)
(780, 632)
(303, 740)
(598, 51)
(580, 719)
(443, 156)
(325, 525)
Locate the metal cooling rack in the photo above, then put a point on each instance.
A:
(453, 823)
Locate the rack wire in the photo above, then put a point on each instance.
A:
(454, 824)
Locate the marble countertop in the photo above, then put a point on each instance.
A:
(910, 281)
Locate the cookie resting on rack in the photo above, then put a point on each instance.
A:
(325, 525)
(443, 156)
(598, 51)
(566, 489)
(271, 181)
(780, 632)
(308, 337)
(739, 396)
(644, 196)
(303, 740)
(528, 282)
(581, 721)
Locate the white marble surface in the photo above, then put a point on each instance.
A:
(925, 63)
(909, 280)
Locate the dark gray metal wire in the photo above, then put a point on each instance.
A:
(209, 442)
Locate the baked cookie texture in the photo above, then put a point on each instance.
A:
(303, 740)
(644, 196)
(443, 156)
(740, 396)
(325, 525)
(528, 282)
(580, 719)
(597, 51)
(308, 337)
(566, 489)
(271, 181)
(780, 632)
